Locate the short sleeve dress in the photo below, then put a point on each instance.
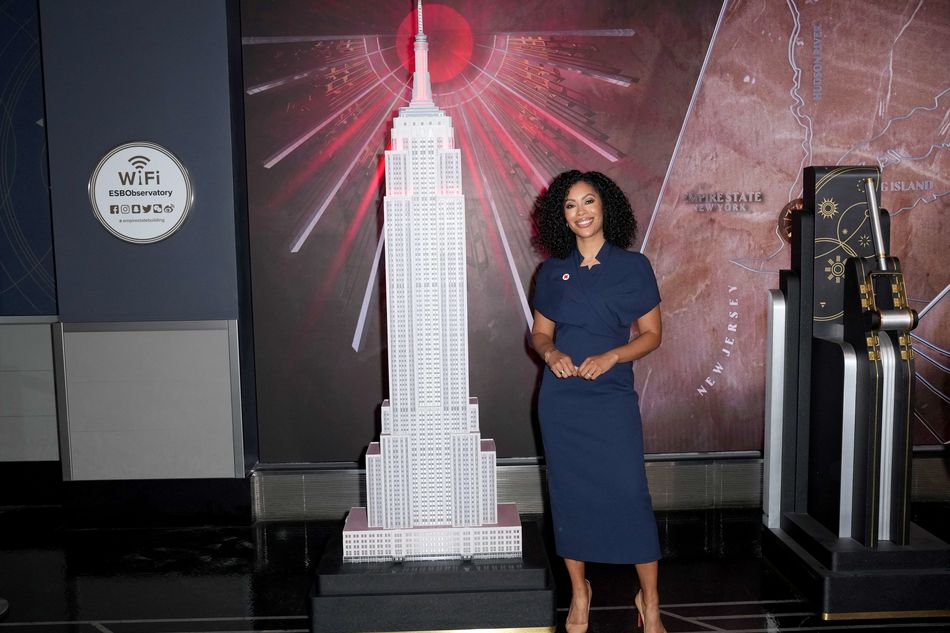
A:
(593, 439)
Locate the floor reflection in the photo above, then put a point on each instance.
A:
(60, 579)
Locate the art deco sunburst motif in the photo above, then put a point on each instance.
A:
(827, 208)
(835, 269)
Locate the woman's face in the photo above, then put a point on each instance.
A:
(583, 210)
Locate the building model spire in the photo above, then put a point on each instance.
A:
(430, 479)
(421, 84)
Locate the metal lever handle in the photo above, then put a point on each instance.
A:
(874, 214)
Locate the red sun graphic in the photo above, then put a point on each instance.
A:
(450, 41)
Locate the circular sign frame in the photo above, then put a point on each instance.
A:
(139, 205)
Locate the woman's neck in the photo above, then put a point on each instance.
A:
(590, 246)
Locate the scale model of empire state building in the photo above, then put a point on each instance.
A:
(430, 480)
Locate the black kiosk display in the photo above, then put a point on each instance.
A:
(840, 374)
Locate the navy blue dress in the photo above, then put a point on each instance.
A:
(593, 439)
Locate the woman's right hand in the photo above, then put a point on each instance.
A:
(561, 364)
(542, 339)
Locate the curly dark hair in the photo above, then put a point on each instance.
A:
(554, 237)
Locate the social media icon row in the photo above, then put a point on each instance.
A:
(115, 209)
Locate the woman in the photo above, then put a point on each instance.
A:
(588, 294)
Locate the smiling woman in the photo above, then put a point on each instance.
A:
(588, 296)
(584, 214)
(554, 235)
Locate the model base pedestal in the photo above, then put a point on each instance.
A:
(511, 594)
(847, 581)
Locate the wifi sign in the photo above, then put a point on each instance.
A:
(140, 176)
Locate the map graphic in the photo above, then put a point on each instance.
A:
(791, 84)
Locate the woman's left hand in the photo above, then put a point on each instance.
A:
(594, 367)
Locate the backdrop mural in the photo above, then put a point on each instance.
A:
(704, 112)
(27, 281)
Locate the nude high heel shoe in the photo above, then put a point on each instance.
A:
(638, 602)
(579, 628)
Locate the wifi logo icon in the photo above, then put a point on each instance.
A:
(139, 162)
(139, 175)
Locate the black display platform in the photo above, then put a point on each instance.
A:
(506, 593)
(846, 580)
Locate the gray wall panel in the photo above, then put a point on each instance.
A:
(29, 439)
(150, 403)
(25, 346)
(27, 393)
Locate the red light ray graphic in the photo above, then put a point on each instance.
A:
(532, 100)
(514, 149)
(480, 173)
(551, 149)
(315, 308)
(355, 224)
(306, 172)
(481, 198)
(318, 213)
(334, 88)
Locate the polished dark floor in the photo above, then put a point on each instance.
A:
(62, 579)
